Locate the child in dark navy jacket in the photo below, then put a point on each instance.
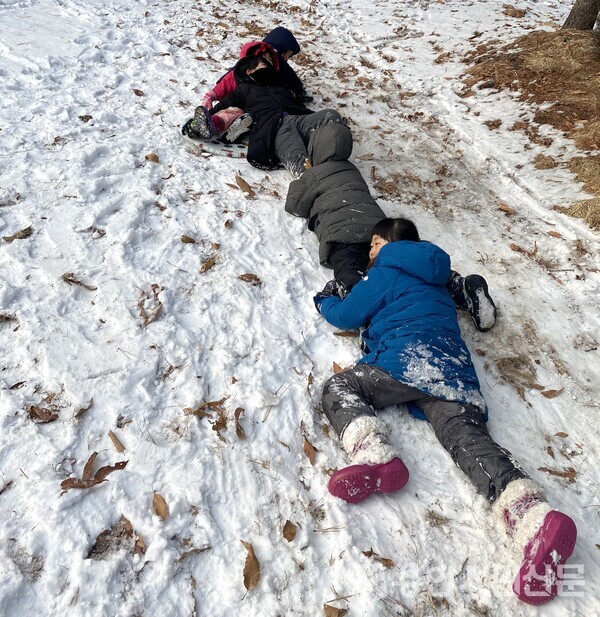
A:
(334, 197)
(417, 356)
(277, 48)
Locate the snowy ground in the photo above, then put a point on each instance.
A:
(89, 90)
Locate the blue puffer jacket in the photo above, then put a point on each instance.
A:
(413, 331)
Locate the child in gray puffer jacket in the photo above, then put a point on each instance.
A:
(334, 197)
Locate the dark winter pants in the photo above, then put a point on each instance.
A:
(293, 135)
(459, 428)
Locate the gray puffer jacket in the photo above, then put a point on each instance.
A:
(332, 193)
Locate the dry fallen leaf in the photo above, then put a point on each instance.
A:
(366, 157)
(561, 434)
(188, 239)
(555, 234)
(551, 393)
(83, 409)
(138, 92)
(337, 368)
(569, 473)
(239, 429)
(310, 451)
(251, 278)
(207, 264)
(506, 208)
(388, 563)
(289, 531)
(245, 187)
(149, 304)
(160, 507)
(251, 568)
(41, 415)
(152, 157)
(116, 443)
(69, 277)
(88, 480)
(332, 611)
(85, 118)
(20, 235)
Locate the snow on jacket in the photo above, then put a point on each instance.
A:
(283, 40)
(332, 194)
(267, 105)
(413, 331)
(229, 81)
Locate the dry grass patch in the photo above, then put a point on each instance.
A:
(558, 72)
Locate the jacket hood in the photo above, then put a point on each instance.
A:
(260, 48)
(282, 40)
(420, 259)
(332, 142)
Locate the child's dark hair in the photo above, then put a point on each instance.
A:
(392, 230)
(248, 63)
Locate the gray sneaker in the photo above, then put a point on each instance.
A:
(238, 127)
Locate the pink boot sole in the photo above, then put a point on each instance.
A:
(357, 482)
(538, 579)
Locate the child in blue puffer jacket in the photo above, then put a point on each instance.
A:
(417, 356)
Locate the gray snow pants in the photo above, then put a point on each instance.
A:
(459, 428)
(293, 135)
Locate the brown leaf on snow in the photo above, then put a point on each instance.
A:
(512, 11)
(569, 473)
(366, 157)
(220, 424)
(20, 235)
(245, 187)
(201, 412)
(120, 536)
(518, 249)
(555, 234)
(69, 277)
(152, 157)
(188, 239)
(332, 611)
(149, 304)
(506, 208)
(119, 447)
(207, 264)
(85, 118)
(289, 531)
(337, 368)
(239, 429)
(388, 563)
(88, 480)
(250, 278)
(83, 409)
(41, 415)
(561, 434)
(139, 92)
(310, 451)
(551, 393)
(251, 568)
(347, 333)
(160, 507)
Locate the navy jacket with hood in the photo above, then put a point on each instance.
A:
(283, 40)
(413, 331)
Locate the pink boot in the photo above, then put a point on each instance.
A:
(377, 467)
(545, 538)
(357, 482)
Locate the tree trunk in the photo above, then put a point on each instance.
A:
(583, 15)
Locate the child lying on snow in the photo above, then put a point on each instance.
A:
(335, 199)
(277, 48)
(417, 356)
(282, 124)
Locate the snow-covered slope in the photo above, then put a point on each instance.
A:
(145, 327)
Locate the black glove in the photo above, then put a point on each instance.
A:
(330, 290)
(186, 129)
(305, 97)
